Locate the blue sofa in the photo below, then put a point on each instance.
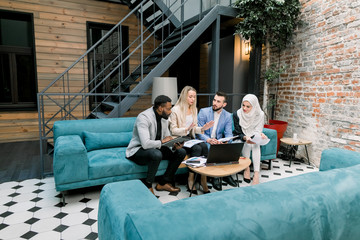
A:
(92, 152)
(317, 205)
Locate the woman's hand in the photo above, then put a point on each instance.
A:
(263, 136)
(207, 125)
(247, 139)
(190, 127)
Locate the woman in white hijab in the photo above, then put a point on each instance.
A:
(248, 121)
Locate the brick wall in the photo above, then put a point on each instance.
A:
(319, 93)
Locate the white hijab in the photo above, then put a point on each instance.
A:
(254, 120)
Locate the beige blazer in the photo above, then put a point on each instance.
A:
(178, 123)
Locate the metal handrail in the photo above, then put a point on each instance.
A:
(67, 102)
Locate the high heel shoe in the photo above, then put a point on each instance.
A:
(191, 191)
(247, 180)
(204, 192)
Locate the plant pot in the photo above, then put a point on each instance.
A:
(280, 127)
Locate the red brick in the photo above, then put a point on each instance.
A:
(341, 94)
(344, 130)
(339, 100)
(349, 148)
(354, 143)
(333, 71)
(304, 74)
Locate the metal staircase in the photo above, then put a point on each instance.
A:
(89, 88)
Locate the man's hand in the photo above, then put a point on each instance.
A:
(213, 141)
(166, 139)
(178, 145)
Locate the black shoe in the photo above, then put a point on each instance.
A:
(216, 184)
(230, 181)
(247, 180)
(191, 191)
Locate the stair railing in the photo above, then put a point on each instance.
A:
(73, 95)
(67, 97)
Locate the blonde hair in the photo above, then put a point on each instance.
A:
(183, 104)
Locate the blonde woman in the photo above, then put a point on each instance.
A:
(183, 122)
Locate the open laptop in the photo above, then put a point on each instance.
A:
(221, 154)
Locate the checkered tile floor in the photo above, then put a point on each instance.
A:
(31, 209)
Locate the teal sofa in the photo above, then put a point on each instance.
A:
(317, 205)
(92, 152)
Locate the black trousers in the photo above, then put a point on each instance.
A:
(198, 150)
(152, 158)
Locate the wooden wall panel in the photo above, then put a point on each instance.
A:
(60, 39)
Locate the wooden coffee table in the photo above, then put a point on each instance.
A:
(219, 171)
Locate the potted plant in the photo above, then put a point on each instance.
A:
(269, 22)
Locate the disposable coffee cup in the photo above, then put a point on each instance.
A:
(295, 138)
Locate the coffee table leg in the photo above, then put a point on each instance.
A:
(221, 184)
(291, 154)
(237, 179)
(192, 188)
(307, 155)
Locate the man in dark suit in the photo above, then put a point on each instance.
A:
(222, 128)
(151, 130)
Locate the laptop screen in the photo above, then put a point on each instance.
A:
(224, 153)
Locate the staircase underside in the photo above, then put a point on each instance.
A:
(161, 59)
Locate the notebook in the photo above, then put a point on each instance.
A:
(221, 154)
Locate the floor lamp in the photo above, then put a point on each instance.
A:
(165, 86)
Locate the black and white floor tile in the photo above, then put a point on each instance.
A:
(31, 209)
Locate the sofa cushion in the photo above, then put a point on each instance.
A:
(112, 162)
(94, 140)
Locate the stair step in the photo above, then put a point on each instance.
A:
(158, 52)
(152, 61)
(185, 30)
(127, 83)
(99, 115)
(110, 104)
(134, 4)
(150, 11)
(138, 71)
(172, 42)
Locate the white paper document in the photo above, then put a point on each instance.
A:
(257, 139)
(195, 161)
(192, 142)
(227, 139)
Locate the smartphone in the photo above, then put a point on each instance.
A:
(193, 161)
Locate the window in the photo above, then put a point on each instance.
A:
(17, 65)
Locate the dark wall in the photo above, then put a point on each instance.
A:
(186, 68)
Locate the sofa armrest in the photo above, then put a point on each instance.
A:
(70, 160)
(268, 151)
(116, 201)
(338, 158)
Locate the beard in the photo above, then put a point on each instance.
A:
(164, 115)
(216, 109)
